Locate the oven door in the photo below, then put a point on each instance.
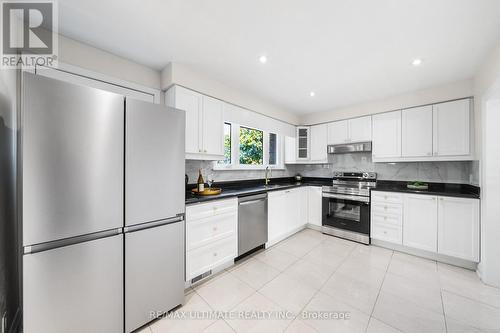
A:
(346, 212)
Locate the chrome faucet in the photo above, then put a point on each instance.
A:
(268, 173)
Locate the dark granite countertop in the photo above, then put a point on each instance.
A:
(232, 189)
(444, 189)
(255, 186)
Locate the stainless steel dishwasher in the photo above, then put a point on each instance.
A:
(252, 222)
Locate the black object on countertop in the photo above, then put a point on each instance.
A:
(444, 189)
(254, 186)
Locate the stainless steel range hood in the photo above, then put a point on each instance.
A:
(359, 147)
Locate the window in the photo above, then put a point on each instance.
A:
(273, 149)
(227, 145)
(251, 146)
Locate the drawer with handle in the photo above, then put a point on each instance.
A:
(387, 208)
(204, 258)
(386, 197)
(204, 231)
(387, 233)
(216, 207)
(393, 220)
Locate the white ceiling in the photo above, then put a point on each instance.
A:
(346, 51)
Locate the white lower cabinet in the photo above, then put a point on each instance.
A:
(211, 235)
(304, 205)
(315, 203)
(286, 213)
(387, 217)
(443, 225)
(458, 228)
(420, 222)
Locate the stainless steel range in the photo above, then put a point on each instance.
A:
(346, 205)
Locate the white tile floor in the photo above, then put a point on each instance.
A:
(381, 290)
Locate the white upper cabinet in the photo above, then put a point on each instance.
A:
(352, 130)
(318, 150)
(303, 136)
(420, 222)
(338, 132)
(417, 131)
(290, 150)
(438, 132)
(360, 129)
(204, 123)
(452, 128)
(213, 126)
(387, 135)
(190, 102)
(458, 228)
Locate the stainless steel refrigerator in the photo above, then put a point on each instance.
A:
(101, 208)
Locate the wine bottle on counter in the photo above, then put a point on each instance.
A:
(201, 182)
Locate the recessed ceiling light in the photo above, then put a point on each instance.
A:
(416, 62)
(263, 59)
(312, 94)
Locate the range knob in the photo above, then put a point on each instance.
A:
(366, 175)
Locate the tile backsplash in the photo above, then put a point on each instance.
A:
(465, 172)
(445, 172)
(192, 167)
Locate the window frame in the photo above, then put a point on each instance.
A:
(235, 151)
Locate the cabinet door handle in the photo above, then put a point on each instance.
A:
(199, 150)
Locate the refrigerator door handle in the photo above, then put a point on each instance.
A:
(30, 249)
(154, 224)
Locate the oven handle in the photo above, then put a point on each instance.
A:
(347, 197)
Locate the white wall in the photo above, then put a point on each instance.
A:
(183, 75)
(238, 115)
(426, 96)
(487, 105)
(490, 194)
(88, 57)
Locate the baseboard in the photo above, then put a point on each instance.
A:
(215, 271)
(313, 227)
(427, 255)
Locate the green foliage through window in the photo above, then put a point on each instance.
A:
(251, 146)
(227, 144)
